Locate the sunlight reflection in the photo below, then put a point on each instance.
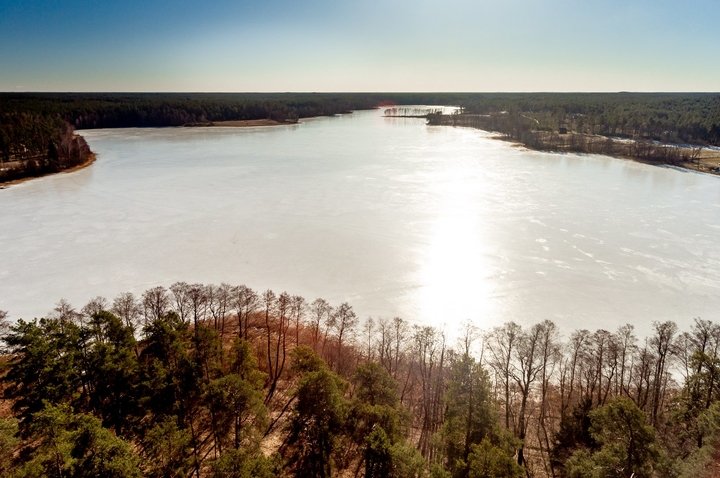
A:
(454, 272)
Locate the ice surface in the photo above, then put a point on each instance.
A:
(436, 224)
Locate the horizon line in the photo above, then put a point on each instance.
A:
(196, 92)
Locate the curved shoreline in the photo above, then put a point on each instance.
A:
(214, 124)
(706, 161)
(13, 182)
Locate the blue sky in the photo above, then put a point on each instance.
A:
(363, 45)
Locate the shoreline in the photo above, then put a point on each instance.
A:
(688, 158)
(212, 124)
(13, 182)
(241, 123)
(706, 163)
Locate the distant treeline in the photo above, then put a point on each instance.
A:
(665, 128)
(668, 117)
(36, 135)
(120, 110)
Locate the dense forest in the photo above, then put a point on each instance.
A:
(222, 381)
(36, 129)
(117, 110)
(34, 144)
(668, 117)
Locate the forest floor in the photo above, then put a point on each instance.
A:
(713, 469)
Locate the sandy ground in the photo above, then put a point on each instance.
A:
(708, 162)
(247, 123)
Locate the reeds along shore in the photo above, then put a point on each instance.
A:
(526, 131)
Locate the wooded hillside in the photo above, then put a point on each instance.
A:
(222, 381)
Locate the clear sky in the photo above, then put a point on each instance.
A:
(360, 45)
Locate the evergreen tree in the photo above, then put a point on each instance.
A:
(45, 366)
(235, 401)
(68, 445)
(376, 421)
(487, 460)
(9, 441)
(469, 416)
(317, 422)
(112, 371)
(626, 444)
(166, 451)
(242, 463)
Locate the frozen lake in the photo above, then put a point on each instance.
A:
(436, 224)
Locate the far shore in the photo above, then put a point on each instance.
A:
(243, 123)
(91, 159)
(697, 158)
(92, 156)
(707, 161)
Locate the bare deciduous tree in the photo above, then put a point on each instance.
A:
(180, 291)
(549, 357)
(369, 329)
(400, 331)
(345, 323)
(197, 302)
(501, 344)
(298, 308)
(126, 307)
(429, 353)
(320, 310)
(661, 343)
(627, 345)
(276, 363)
(95, 306)
(219, 300)
(155, 303)
(527, 357)
(245, 301)
(65, 313)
